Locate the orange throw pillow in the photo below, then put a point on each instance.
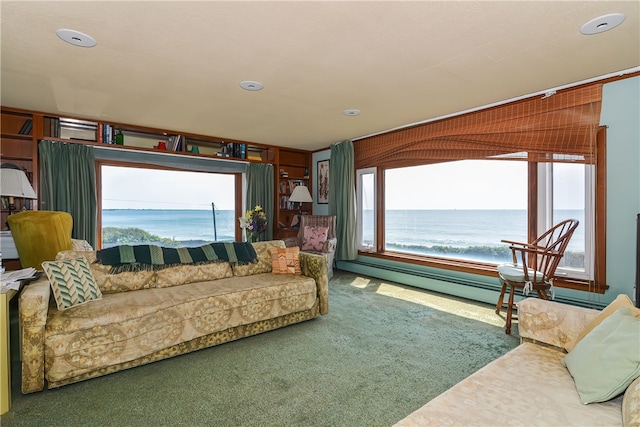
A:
(285, 260)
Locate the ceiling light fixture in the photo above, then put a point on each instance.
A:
(76, 38)
(351, 112)
(602, 23)
(251, 85)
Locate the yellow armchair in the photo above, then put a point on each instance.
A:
(40, 235)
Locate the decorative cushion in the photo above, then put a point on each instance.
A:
(621, 300)
(607, 359)
(72, 282)
(285, 261)
(515, 273)
(314, 238)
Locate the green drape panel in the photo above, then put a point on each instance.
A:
(342, 199)
(260, 190)
(68, 183)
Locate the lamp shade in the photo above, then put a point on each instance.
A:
(300, 195)
(14, 183)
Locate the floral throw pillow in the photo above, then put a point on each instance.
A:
(314, 238)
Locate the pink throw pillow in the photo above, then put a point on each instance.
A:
(314, 238)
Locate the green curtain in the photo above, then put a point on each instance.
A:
(342, 199)
(68, 183)
(260, 190)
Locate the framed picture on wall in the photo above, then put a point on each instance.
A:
(323, 182)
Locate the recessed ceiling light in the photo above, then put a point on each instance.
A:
(351, 112)
(602, 23)
(76, 38)
(251, 85)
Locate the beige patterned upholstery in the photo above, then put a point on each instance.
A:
(160, 317)
(528, 385)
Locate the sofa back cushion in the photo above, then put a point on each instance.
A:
(112, 283)
(263, 250)
(183, 274)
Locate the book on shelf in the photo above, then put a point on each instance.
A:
(107, 134)
(26, 127)
(174, 143)
(236, 150)
(52, 127)
(293, 183)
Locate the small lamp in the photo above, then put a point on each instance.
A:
(14, 183)
(300, 195)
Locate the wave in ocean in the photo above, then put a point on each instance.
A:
(467, 234)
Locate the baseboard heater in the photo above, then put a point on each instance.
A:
(429, 275)
(465, 282)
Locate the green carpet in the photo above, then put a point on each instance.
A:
(383, 351)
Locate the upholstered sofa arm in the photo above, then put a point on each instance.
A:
(551, 322)
(34, 305)
(315, 266)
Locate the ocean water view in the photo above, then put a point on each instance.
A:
(467, 234)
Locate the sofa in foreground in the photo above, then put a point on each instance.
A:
(531, 386)
(138, 317)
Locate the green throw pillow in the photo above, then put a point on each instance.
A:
(71, 282)
(607, 359)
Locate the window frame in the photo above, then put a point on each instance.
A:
(597, 234)
(238, 181)
(360, 209)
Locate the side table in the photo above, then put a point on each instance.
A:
(5, 350)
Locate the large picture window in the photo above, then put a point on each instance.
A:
(145, 205)
(457, 210)
(447, 192)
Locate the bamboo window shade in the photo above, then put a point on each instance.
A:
(561, 127)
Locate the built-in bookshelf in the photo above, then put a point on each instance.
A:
(18, 147)
(294, 167)
(22, 129)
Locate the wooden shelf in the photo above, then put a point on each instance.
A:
(21, 148)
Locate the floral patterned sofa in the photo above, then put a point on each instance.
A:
(145, 316)
(531, 386)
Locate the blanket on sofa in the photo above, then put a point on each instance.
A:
(152, 257)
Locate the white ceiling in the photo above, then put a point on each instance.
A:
(177, 65)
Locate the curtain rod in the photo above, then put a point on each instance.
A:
(546, 93)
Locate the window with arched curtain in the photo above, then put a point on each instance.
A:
(448, 191)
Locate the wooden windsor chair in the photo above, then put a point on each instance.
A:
(534, 266)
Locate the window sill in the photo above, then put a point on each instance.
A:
(484, 269)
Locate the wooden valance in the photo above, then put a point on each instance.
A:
(561, 127)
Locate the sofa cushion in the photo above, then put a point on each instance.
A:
(71, 282)
(112, 283)
(621, 300)
(285, 260)
(607, 359)
(126, 326)
(183, 274)
(264, 259)
(526, 386)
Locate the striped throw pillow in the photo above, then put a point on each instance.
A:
(285, 260)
